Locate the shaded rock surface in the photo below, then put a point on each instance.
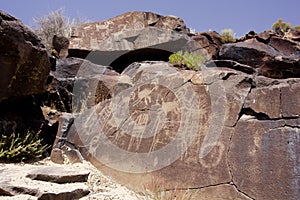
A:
(24, 62)
(61, 45)
(270, 54)
(25, 67)
(87, 75)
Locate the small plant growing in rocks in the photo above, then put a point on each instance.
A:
(227, 36)
(280, 25)
(297, 28)
(55, 23)
(186, 59)
(16, 148)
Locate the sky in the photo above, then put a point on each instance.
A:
(239, 15)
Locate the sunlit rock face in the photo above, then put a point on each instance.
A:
(230, 134)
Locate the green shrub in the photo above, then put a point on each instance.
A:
(16, 148)
(186, 59)
(297, 28)
(280, 25)
(227, 36)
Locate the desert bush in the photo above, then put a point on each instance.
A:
(297, 27)
(55, 23)
(155, 191)
(186, 59)
(17, 148)
(227, 35)
(280, 25)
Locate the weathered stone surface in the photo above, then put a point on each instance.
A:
(290, 98)
(276, 58)
(69, 193)
(257, 101)
(226, 157)
(293, 35)
(211, 90)
(136, 37)
(231, 64)
(15, 183)
(71, 67)
(264, 158)
(61, 45)
(282, 99)
(284, 46)
(57, 175)
(218, 192)
(84, 75)
(126, 28)
(24, 63)
(19, 197)
(209, 44)
(265, 36)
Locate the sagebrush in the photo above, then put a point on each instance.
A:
(280, 25)
(20, 148)
(55, 23)
(186, 59)
(227, 36)
(155, 191)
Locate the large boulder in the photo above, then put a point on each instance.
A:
(61, 45)
(25, 67)
(270, 54)
(24, 63)
(126, 30)
(209, 131)
(209, 44)
(137, 36)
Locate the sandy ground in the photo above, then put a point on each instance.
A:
(101, 187)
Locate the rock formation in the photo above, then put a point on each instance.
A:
(240, 109)
(229, 131)
(25, 67)
(272, 55)
(152, 36)
(61, 45)
(24, 63)
(256, 133)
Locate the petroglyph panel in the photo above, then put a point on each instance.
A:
(158, 126)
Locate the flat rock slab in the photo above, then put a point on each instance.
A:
(15, 181)
(58, 175)
(19, 197)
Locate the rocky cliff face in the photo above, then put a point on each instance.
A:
(229, 131)
(24, 62)
(25, 67)
(216, 128)
(152, 36)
